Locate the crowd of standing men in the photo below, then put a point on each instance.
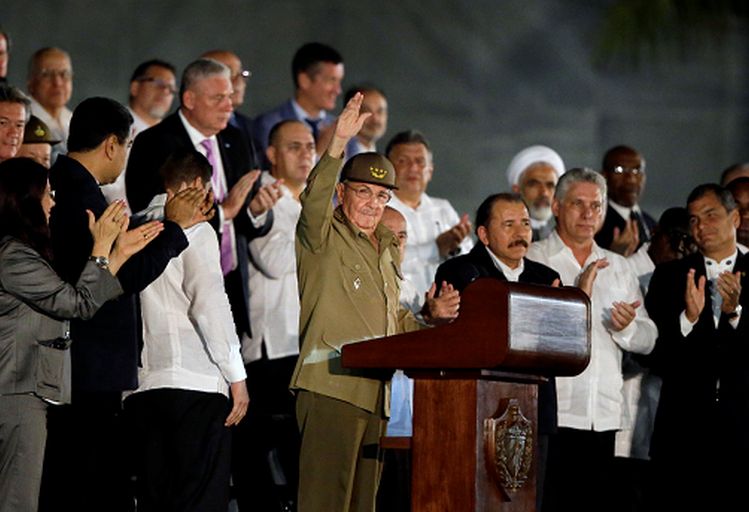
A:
(212, 355)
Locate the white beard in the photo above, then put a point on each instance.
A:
(542, 213)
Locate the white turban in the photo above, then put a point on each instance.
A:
(532, 155)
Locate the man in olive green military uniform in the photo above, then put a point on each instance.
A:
(347, 267)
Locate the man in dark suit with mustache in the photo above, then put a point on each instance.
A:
(503, 227)
(701, 354)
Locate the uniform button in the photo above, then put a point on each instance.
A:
(357, 266)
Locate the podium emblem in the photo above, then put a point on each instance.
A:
(508, 444)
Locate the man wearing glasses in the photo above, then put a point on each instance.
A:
(50, 84)
(347, 269)
(152, 90)
(626, 226)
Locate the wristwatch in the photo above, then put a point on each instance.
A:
(735, 313)
(100, 261)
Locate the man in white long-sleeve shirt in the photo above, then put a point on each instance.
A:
(190, 363)
(266, 446)
(435, 231)
(590, 404)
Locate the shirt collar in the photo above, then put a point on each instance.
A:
(714, 268)
(512, 274)
(195, 136)
(624, 211)
(557, 245)
(302, 114)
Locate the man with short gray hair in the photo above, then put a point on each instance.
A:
(590, 404)
(201, 123)
(14, 114)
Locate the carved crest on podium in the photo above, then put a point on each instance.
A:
(508, 442)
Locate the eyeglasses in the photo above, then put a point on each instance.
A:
(51, 74)
(159, 84)
(635, 171)
(367, 194)
(245, 74)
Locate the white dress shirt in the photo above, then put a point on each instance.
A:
(274, 301)
(593, 399)
(188, 329)
(425, 223)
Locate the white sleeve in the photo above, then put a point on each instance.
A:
(210, 311)
(274, 254)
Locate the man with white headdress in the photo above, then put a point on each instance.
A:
(533, 173)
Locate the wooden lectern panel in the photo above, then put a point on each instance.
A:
(512, 326)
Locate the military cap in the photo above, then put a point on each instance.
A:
(370, 168)
(37, 132)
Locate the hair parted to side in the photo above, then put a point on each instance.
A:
(580, 175)
(308, 58)
(484, 211)
(199, 70)
(95, 119)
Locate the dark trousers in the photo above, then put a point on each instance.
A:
(579, 473)
(265, 460)
(182, 450)
(85, 463)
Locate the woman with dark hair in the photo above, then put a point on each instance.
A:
(35, 304)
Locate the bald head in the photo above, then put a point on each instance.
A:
(396, 222)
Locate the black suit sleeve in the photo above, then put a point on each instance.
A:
(459, 272)
(145, 266)
(142, 179)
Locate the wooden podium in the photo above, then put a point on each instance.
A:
(476, 391)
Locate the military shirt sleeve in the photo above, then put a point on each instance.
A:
(317, 203)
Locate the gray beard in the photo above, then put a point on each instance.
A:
(542, 213)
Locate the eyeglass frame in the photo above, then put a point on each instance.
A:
(367, 194)
(244, 74)
(620, 170)
(160, 83)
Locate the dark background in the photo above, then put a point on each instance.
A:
(482, 79)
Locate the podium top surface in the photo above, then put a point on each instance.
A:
(502, 325)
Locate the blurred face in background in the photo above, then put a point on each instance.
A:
(40, 152)
(376, 125)
(51, 81)
(154, 92)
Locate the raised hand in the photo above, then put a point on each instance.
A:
(266, 197)
(588, 277)
(729, 287)
(240, 402)
(234, 200)
(449, 241)
(694, 296)
(132, 241)
(625, 241)
(105, 230)
(186, 207)
(348, 124)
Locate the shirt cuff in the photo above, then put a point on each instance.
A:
(686, 325)
(258, 221)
